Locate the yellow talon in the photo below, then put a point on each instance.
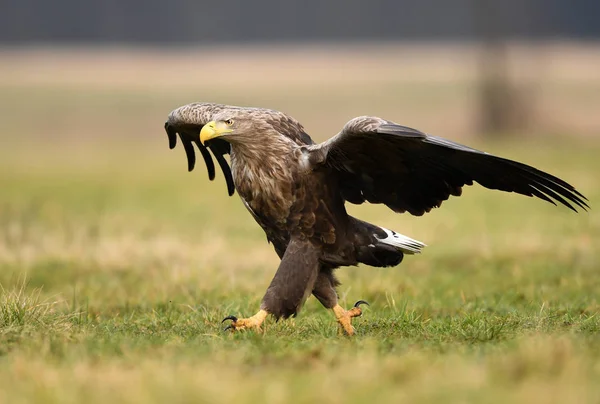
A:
(344, 317)
(253, 322)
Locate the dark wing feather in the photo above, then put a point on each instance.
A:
(172, 134)
(381, 162)
(219, 148)
(186, 122)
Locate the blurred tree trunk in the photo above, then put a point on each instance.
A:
(502, 106)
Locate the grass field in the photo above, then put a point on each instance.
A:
(116, 267)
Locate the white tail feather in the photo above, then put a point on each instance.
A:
(405, 244)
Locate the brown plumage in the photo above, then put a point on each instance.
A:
(296, 190)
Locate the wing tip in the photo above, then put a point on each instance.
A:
(172, 135)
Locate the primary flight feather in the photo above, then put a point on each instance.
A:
(296, 190)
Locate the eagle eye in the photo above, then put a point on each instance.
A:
(229, 122)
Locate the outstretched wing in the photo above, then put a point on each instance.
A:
(381, 162)
(186, 122)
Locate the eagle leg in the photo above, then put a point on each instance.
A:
(253, 322)
(344, 317)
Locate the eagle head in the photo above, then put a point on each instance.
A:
(232, 126)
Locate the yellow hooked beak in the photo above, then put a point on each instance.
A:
(212, 130)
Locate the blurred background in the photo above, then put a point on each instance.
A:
(85, 88)
(454, 68)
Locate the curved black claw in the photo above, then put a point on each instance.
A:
(230, 326)
(232, 318)
(357, 304)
